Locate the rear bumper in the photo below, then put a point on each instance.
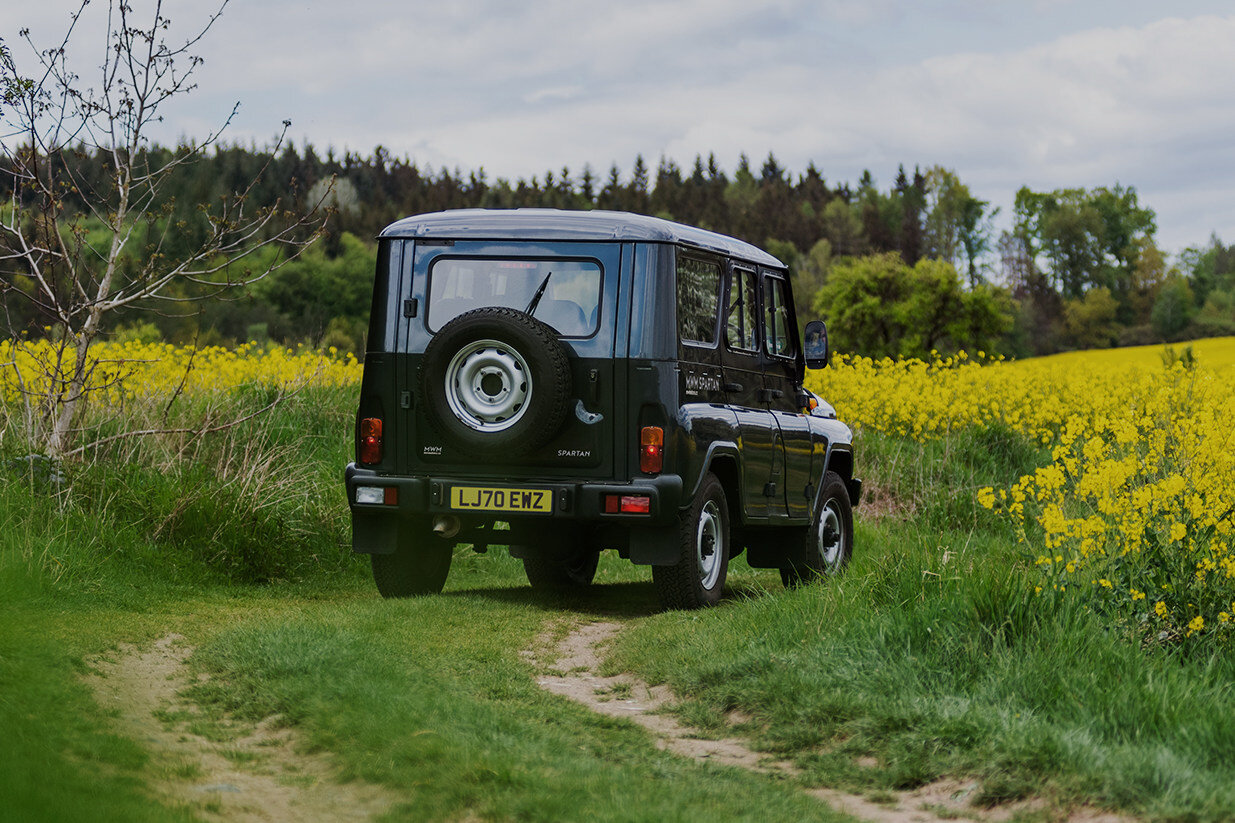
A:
(572, 502)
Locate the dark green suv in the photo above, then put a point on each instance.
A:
(567, 382)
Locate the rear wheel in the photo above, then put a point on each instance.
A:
(418, 565)
(698, 578)
(829, 541)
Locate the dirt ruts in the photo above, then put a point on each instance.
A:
(570, 667)
(262, 773)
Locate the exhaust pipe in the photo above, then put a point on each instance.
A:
(446, 525)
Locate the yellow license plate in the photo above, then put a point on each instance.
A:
(480, 498)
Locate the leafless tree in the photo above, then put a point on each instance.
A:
(52, 251)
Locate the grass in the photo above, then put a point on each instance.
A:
(934, 656)
(412, 695)
(931, 656)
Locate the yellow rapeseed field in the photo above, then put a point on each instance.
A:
(128, 370)
(1134, 513)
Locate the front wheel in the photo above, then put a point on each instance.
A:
(698, 578)
(829, 540)
(418, 565)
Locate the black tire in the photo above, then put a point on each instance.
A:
(698, 578)
(496, 382)
(829, 540)
(418, 565)
(572, 570)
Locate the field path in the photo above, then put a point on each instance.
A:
(571, 667)
(262, 773)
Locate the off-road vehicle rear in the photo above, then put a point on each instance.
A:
(568, 382)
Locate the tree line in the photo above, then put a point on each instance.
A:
(915, 266)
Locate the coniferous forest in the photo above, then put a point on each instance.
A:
(896, 269)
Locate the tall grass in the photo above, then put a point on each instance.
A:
(250, 503)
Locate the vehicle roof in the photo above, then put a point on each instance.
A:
(556, 224)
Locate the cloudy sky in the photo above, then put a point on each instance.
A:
(1042, 93)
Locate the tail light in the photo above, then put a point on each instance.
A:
(651, 449)
(371, 440)
(627, 504)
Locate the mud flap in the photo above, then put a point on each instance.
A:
(376, 533)
(654, 546)
(775, 547)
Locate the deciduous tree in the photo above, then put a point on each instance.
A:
(79, 249)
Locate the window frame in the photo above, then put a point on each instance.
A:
(745, 275)
(768, 277)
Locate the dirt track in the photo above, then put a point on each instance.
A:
(571, 668)
(263, 773)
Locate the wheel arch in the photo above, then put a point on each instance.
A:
(840, 461)
(728, 472)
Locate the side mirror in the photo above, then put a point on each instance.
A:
(816, 348)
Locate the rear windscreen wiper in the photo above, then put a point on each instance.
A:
(540, 292)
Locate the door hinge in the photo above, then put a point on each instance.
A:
(405, 400)
(410, 307)
(769, 490)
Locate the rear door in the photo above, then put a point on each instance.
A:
(572, 287)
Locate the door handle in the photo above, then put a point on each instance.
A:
(732, 387)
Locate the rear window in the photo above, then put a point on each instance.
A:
(569, 290)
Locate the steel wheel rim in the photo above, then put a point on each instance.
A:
(488, 385)
(830, 535)
(709, 537)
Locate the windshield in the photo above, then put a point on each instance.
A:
(569, 290)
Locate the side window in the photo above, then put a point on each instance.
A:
(698, 299)
(777, 336)
(740, 317)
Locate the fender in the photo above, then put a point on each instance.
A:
(852, 484)
(716, 449)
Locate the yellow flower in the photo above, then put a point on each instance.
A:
(1161, 609)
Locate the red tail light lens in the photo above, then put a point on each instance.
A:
(371, 440)
(651, 449)
(627, 504)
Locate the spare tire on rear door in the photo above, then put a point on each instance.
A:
(496, 381)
